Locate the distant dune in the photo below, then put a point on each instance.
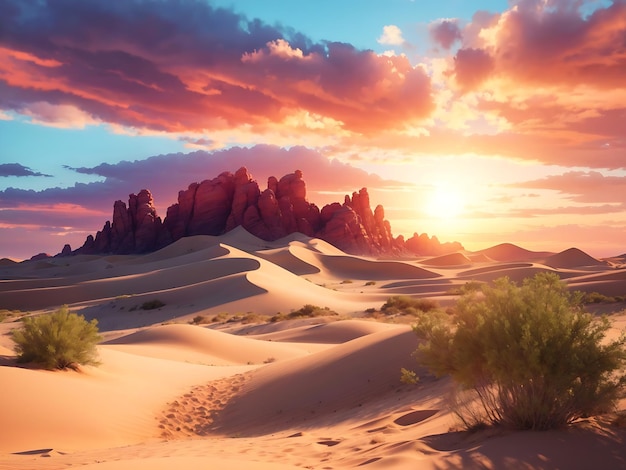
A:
(573, 258)
(453, 259)
(240, 392)
(508, 252)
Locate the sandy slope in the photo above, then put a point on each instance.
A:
(308, 393)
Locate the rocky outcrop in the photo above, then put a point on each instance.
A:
(216, 206)
(429, 246)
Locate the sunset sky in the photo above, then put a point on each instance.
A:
(483, 122)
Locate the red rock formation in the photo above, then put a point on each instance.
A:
(213, 207)
(426, 246)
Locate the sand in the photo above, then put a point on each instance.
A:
(242, 392)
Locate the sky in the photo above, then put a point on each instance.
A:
(481, 122)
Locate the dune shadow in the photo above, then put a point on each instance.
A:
(415, 417)
(33, 452)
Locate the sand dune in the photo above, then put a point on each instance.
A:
(573, 258)
(182, 342)
(453, 259)
(508, 252)
(327, 333)
(288, 395)
(307, 393)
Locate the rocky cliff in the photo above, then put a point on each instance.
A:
(216, 206)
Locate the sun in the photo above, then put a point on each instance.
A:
(445, 202)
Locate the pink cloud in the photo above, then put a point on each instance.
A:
(445, 32)
(146, 65)
(553, 43)
(584, 187)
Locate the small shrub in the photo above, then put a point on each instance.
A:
(408, 377)
(403, 304)
(370, 283)
(58, 340)
(252, 318)
(468, 287)
(346, 281)
(220, 317)
(597, 298)
(529, 355)
(306, 311)
(199, 320)
(152, 304)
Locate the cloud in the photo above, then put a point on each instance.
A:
(445, 32)
(60, 115)
(472, 67)
(16, 169)
(188, 66)
(392, 35)
(583, 186)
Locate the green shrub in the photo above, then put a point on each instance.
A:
(58, 340)
(403, 304)
(199, 320)
(408, 377)
(306, 311)
(529, 356)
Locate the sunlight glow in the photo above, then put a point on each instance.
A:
(445, 202)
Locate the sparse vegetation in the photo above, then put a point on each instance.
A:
(468, 287)
(408, 377)
(10, 314)
(200, 320)
(220, 317)
(307, 311)
(370, 283)
(598, 298)
(252, 317)
(58, 340)
(346, 281)
(526, 357)
(403, 304)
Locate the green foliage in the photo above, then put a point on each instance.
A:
(199, 320)
(408, 377)
(403, 304)
(467, 288)
(307, 311)
(598, 298)
(530, 356)
(58, 340)
(14, 315)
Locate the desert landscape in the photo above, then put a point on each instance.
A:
(327, 235)
(203, 378)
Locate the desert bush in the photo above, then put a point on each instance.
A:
(598, 298)
(370, 283)
(529, 355)
(58, 340)
(252, 317)
(199, 320)
(403, 304)
(468, 287)
(408, 377)
(306, 311)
